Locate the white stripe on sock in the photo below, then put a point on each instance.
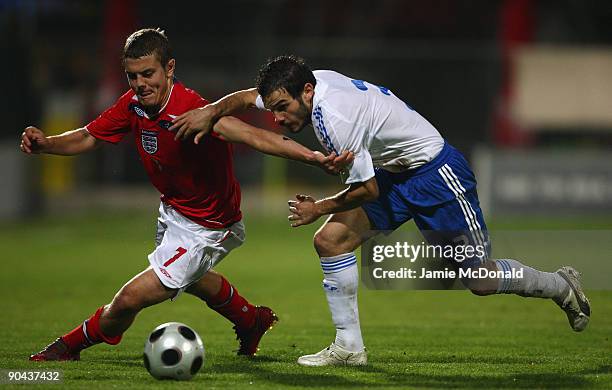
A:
(85, 333)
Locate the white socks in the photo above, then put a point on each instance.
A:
(340, 285)
(534, 283)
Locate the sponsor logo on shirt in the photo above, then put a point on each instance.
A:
(164, 124)
(139, 111)
(149, 141)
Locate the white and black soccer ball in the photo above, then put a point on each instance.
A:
(173, 351)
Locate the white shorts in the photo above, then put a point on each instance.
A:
(185, 250)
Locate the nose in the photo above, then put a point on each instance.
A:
(279, 118)
(139, 82)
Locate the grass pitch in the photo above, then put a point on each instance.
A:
(57, 271)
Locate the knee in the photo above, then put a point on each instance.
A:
(479, 287)
(481, 292)
(326, 244)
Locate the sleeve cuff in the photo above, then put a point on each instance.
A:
(259, 103)
(100, 138)
(352, 180)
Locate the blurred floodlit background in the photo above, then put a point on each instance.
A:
(522, 87)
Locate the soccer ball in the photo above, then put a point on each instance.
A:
(173, 351)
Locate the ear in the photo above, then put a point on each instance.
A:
(170, 66)
(308, 92)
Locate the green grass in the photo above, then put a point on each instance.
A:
(55, 272)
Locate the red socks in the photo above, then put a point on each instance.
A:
(88, 334)
(227, 302)
(232, 306)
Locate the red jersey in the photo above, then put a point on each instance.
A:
(197, 180)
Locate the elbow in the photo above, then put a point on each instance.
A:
(222, 124)
(231, 129)
(371, 193)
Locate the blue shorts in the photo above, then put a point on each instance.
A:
(440, 196)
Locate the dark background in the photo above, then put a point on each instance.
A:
(446, 58)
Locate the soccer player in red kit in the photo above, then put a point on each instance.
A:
(199, 215)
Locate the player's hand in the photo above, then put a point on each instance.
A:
(199, 122)
(333, 164)
(303, 210)
(33, 140)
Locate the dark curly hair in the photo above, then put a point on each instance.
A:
(287, 72)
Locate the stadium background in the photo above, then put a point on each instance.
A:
(522, 88)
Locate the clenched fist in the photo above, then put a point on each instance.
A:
(33, 140)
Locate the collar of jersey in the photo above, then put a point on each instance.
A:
(319, 91)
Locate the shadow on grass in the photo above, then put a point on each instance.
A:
(266, 369)
(453, 359)
(377, 376)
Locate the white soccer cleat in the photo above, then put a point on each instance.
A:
(575, 303)
(334, 355)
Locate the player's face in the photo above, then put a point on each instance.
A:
(149, 80)
(291, 113)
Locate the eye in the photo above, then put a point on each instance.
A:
(131, 76)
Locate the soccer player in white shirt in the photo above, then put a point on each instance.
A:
(403, 169)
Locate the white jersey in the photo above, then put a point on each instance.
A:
(371, 122)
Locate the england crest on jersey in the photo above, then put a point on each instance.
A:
(149, 141)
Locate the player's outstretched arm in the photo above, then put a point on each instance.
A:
(305, 209)
(34, 141)
(201, 120)
(234, 130)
